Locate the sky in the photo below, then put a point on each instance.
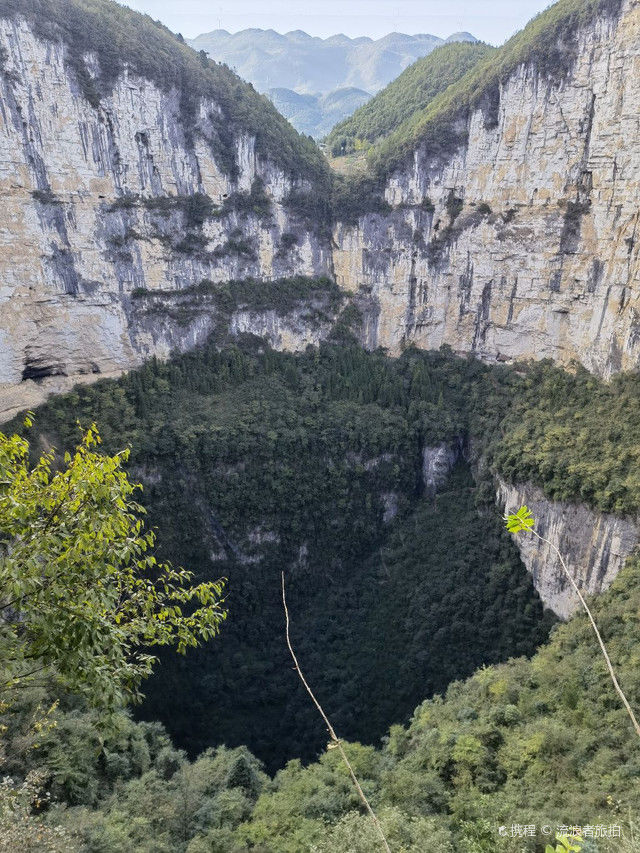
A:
(490, 20)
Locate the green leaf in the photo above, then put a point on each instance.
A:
(89, 606)
(521, 520)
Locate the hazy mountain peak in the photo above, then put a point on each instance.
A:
(296, 63)
(300, 35)
(463, 36)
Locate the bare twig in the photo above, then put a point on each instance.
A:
(334, 738)
(612, 673)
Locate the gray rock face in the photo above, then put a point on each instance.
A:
(93, 212)
(543, 258)
(541, 261)
(437, 464)
(594, 545)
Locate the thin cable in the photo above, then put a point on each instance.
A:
(619, 690)
(334, 738)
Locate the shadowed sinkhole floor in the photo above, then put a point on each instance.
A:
(437, 593)
(253, 462)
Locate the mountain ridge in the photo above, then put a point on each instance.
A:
(413, 90)
(310, 65)
(234, 49)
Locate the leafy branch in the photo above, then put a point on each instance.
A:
(81, 592)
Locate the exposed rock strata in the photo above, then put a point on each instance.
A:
(540, 261)
(532, 248)
(93, 211)
(595, 546)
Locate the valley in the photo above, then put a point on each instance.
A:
(341, 362)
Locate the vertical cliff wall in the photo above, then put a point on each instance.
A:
(523, 242)
(104, 199)
(595, 545)
(518, 242)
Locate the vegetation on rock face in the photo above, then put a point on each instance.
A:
(413, 90)
(119, 37)
(549, 43)
(575, 436)
(314, 302)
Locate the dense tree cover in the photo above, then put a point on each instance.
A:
(114, 789)
(254, 461)
(413, 90)
(118, 36)
(299, 461)
(294, 461)
(576, 436)
(543, 741)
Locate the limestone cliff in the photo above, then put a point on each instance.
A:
(523, 241)
(595, 545)
(518, 242)
(103, 200)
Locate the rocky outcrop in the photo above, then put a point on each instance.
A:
(100, 201)
(437, 464)
(595, 545)
(524, 242)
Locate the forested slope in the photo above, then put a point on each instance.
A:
(409, 93)
(539, 742)
(253, 461)
(314, 463)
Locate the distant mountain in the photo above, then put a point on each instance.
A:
(350, 70)
(461, 37)
(316, 115)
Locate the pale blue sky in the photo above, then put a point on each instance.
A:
(490, 20)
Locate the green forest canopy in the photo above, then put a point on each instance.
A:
(413, 90)
(257, 460)
(253, 460)
(540, 741)
(310, 446)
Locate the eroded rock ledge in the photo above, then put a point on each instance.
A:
(595, 545)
